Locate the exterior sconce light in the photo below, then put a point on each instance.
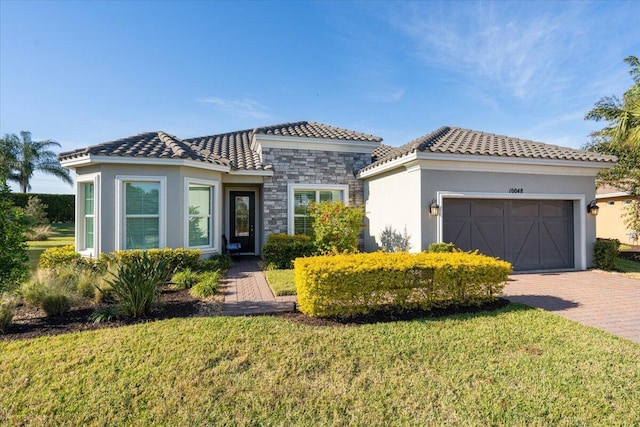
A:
(592, 208)
(434, 208)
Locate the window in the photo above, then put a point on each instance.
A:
(201, 221)
(199, 215)
(89, 201)
(302, 196)
(87, 225)
(141, 223)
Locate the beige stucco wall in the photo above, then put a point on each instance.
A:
(610, 224)
(175, 207)
(393, 199)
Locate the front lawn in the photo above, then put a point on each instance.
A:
(515, 366)
(629, 267)
(63, 235)
(281, 282)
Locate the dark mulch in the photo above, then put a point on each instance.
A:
(383, 317)
(32, 322)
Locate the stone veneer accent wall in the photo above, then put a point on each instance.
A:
(294, 166)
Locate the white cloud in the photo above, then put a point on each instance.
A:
(509, 46)
(246, 108)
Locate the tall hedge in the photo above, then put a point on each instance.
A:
(60, 207)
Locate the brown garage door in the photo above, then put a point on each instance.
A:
(530, 234)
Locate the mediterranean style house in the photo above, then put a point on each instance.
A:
(523, 201)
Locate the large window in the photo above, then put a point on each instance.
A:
(142, 209)
(302, 196)
(200, 215)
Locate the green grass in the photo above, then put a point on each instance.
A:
(631, 268)
(63, 234)
(281, 282)
(516, 366)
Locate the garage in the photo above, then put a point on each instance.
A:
(530, 234)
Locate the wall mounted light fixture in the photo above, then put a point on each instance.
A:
(434, 208)
(592, 208)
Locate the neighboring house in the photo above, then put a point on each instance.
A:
(523, 201)
(610, 224)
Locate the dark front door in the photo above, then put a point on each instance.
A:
(242, 219)
(530, 234)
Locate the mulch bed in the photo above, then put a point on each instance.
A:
(383, 317)
(32, 322)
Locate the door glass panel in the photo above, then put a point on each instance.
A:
(241, 216)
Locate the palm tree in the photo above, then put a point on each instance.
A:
(25, 156)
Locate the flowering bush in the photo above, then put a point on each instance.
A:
(336, 227)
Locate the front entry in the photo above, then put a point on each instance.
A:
(242, 220)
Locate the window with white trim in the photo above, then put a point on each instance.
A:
(200, 215)
(141, 205)
(87, 215)
(302, 196)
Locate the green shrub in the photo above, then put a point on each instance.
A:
(282, 249)
(59, 207)
(184, 279)
(55, 304)
(59, 256)
(13, 248)
(336, 227)
(174, 259)
(605, 253)
(207, 286)
(7, 310)
(105, 314)
(136, 283)
(359, 284)
(221, 262)
(442, 247)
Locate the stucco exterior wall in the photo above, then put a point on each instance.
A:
(610, 224)
(394, 200)
(175, 207)
(299, 166)
(533, 186)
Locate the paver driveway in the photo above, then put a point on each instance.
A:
(606, 301)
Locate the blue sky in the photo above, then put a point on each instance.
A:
(82, 73)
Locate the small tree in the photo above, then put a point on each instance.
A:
(36, 211)
(13, 248)
(336, 227)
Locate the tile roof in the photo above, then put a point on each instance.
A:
(230, 149)
(453, 140)
(159, 145)
(316, 130)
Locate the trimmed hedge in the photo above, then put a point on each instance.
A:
(60, 207)
(360, 284)
(605, 253)
(58, 256)
(282, 249)
(175, 259)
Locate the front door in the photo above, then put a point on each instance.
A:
(242, 220)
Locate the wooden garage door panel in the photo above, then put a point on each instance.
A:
(531, 234)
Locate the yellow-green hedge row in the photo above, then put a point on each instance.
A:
(359, 284)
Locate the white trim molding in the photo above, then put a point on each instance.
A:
(81, 180)
(120, 213)
(579, 215)
(260, 142)
(215, 217)
(291, 188)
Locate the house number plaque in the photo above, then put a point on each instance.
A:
(516, 190)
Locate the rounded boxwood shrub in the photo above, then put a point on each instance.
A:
(55, 304)
(282, 249)
(605, 253)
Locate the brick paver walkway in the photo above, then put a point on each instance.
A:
(606, 301)
(246, 291)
